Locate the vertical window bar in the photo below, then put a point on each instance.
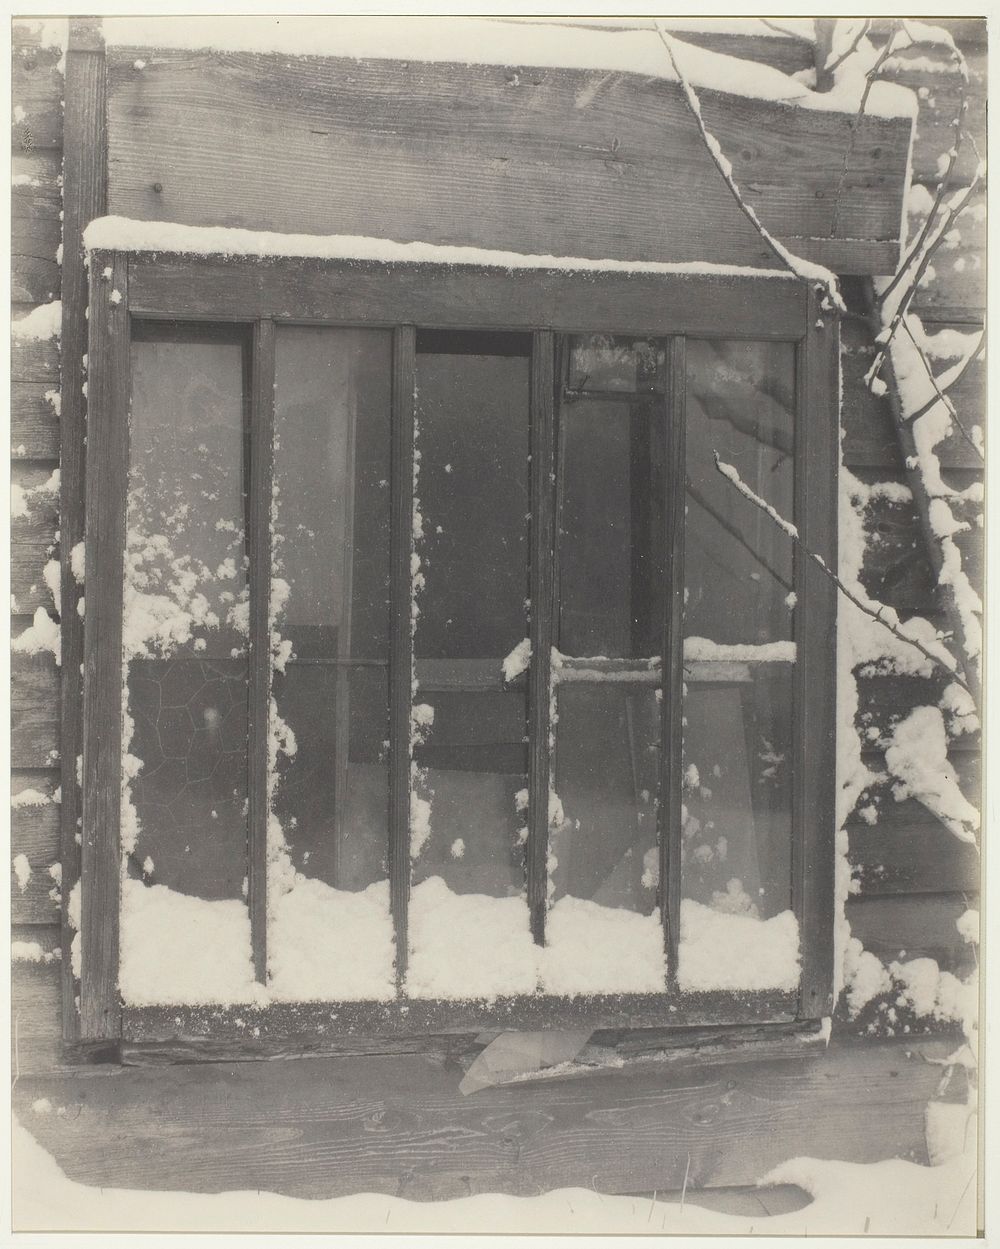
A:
(817, 434)
(107, 486)
(541, 586)
(672, 668)
(401, 635)
(259, 490)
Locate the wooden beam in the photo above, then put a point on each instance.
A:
(84, 197)
(343, 292)
(550, 161)
(259, 488)
(399, 1125)
(107, 486)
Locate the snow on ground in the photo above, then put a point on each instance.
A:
(892, 1198)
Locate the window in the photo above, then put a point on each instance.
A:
(435, 676)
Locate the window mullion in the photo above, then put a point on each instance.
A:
(541, 583)
(671, 704)
(401, 636)
(259, 543)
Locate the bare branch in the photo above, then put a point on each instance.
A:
(782, 30)
(941, 391)
(791, 263)
(856, 122)
(941, 397)
(925, 233)
(733, 477)
(865, 28)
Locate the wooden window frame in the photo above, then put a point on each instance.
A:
(261, 293)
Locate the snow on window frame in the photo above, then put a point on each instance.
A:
(700, 997)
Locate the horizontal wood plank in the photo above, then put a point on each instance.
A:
(921, 926)
(940, 96)
(440, 296)
(34, 269)
(34, 359)
(40, 519)
(27, 586)
(37, 90)
(34, 425)
(37, 184)
(331, 1127)
(34, 697)
(910, 852)
(557, 161)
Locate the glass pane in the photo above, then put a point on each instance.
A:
(610, 556)
(601, 362)
(604, 932)
(469, 932)
(738, 563)
(737, 828)
(184, 815)
(329, 930)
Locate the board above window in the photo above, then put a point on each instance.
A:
(435, 676)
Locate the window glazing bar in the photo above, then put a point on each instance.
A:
(260, 475)
(671, 729)
(401, 636)
(541, 585)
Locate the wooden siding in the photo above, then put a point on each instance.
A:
(549, 161)
(397, 1124)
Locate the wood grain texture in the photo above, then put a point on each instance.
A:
(27, 587)
(34, 700)
(440, 296)
(940, 103)
(34, 425)
(815, 630)
(41, 195)
(34, 360)
(565, 162)
(331, 1127)
(37, 89)
(107, 483)
(922, 926)
(34, 269)
(910, 852)
(84, 186)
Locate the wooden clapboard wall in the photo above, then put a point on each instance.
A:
(395, 1122)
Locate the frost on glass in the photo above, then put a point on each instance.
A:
(603, 859)
(184, 808)
(469, 933)
(329, 928)
(737, 929)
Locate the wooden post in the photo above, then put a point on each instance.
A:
(107, 487)
(84, 197)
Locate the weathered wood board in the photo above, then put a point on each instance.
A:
(328, 1127)
(565, 162)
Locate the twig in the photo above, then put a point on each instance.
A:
(970, 360)
(865, 28)
(782, 30)
(941, 397)
(725, 168)
(887, 335)
(684, 1187)
(922, 238)
(732, 476)
(856, 122)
